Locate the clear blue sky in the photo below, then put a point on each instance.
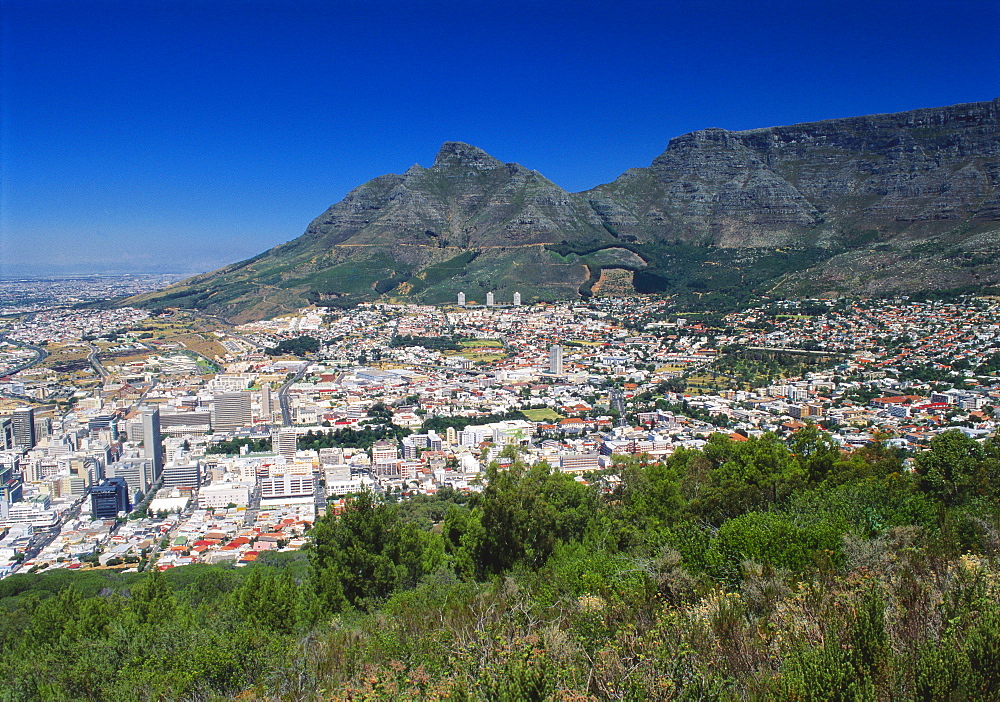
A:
(179, 136)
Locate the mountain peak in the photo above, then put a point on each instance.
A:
(793, 210)
(458, 153)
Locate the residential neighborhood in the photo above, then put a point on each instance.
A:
(141, 440)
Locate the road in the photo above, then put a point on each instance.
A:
(42, 539)
(286, 411)
(40, 355)
(250, 516)
(95, 362)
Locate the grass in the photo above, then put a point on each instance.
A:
(481, 343)
(486, 357)
(707, 381)
(542, 415)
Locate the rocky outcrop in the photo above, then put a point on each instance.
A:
(883, 203)
(915, 173)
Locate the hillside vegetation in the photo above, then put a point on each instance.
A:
(749, 570)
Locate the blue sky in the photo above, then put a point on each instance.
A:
(162, 135)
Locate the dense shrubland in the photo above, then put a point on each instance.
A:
(746, 570)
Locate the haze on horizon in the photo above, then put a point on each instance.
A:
(182, 136)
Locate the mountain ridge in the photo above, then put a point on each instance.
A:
(889, 203)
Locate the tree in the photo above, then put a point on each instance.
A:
(366, 554)
(815, 451)
(525, 511)
(956, 468)
(746, 475)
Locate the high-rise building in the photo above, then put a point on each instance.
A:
(517, 299)
(555, 360)
(137, 473)
(184, 473)
(331, 456)
(23, 420)
(152, 439)
(6, 433)
(109, 498)
(43, 428)
(489, 299)
(385, 455)
(267, 402)
(284, 442)
(231, 411)
(461, 299)
(103, 422)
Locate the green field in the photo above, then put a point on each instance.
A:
(481, 343)
(542, 415)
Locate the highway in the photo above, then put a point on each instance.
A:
(95, 362)
(286, 410)
(40, 355)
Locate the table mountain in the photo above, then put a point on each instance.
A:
(870, 205)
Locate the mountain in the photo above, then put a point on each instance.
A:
(871, 205)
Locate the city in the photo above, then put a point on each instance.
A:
(136, 440)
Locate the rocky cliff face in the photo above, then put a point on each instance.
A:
(865, 205)
(821, 183)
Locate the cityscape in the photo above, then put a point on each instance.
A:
(499, 351)
(135, 440)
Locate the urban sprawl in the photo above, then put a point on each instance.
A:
(134, 440)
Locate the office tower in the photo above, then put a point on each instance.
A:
(6, 433)
(134, 430)
(137, 473)
(101, 421)
(384, 453)
(266, 403)
(231, 411)
(517, 299)
(410, 448)
(109, 498)
(284, 442)
(555, 360)
(23, 420)
(185, 473)
(461, 299)
(152, 440)
(489, 299)
(43, 428)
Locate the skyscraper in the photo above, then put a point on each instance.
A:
(231, 411)
(109, 498)
(461, 299)
(184, 473)
(266, 403)
(284, 442)
(23, 419)
(489, 299)
(152, 440)
(555, 359)
(6, 433)
(517, 299)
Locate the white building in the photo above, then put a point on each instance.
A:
(287, 488)
(224, 494)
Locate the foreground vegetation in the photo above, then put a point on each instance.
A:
(747, 570)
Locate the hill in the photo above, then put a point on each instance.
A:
(869, 205)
